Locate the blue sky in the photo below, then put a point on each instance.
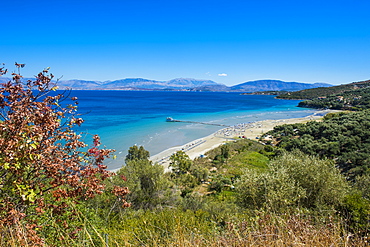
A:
(227, 41)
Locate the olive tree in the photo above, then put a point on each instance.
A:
(293, 179)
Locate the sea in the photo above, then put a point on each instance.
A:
(126, 118)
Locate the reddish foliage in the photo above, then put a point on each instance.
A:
(42, 162)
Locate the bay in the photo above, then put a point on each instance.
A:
(126, 118)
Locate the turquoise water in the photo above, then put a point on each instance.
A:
(127, 118)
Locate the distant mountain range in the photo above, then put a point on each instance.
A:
(275, 85)
(184, 84)
(175, 84)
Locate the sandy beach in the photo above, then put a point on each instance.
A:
(250, 131)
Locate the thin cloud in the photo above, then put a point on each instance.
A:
(222, 74)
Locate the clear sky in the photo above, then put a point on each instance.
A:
(227, 41)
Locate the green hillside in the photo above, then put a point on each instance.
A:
(324, 91)
(354, 96)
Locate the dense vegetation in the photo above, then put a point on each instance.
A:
(350, 100)
(344, 137)
(242, 193)
(324, 91)
(266, 93)
(354, 96)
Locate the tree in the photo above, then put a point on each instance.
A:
(180, 162)
(294, 179)
(225, 151)
(149, 188)
(343, 137)
(135, 153)
(45, 168)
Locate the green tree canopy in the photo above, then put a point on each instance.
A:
(293, 179)
(149, 187)
(343, 137)
(180, 162)
(137, 153)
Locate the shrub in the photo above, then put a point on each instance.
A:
(293, 179)
(44, 171)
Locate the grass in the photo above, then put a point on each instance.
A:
(243, 160)
(263, 230)
(178, 228)
(267, 230)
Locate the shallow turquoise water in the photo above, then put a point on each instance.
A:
(125, 118)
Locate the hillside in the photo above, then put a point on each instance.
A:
(324, 91)
(353, 96)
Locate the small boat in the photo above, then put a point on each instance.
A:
(170, 119)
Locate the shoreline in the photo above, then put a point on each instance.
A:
(252, 131)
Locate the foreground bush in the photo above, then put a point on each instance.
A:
(294, 180)
(45, 168)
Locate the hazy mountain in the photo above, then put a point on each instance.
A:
(274, 85)
(63, 84)
(183, 84)
(7, 79)
(3, 79)
(138, 83)
(79, 84)
(132, 83)
(212, 88)
(189, 83)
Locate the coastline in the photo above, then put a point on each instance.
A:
(251, 131)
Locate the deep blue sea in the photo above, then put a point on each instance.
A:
(127, 118)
